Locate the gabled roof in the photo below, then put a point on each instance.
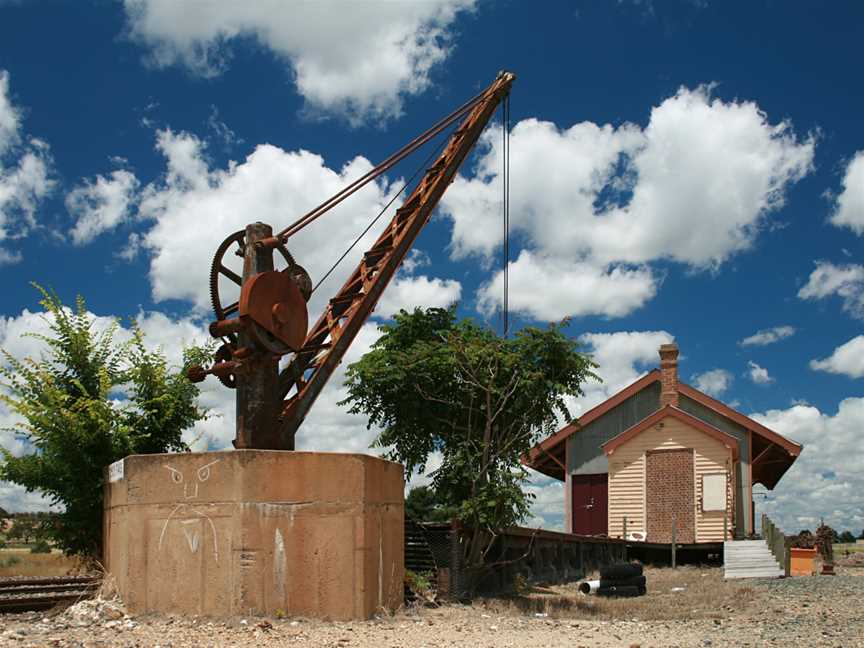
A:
(552, 448)
(549, 455)
(744, 421)
(672, 412)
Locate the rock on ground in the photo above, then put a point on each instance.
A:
(796, 612)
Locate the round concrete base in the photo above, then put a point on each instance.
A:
(256, 532)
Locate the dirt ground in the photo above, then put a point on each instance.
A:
(684, 607)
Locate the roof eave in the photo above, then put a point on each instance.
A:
(790, 446)
(550, 444)
(730, 442)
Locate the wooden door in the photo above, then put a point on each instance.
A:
(590, 504)
(670, 494)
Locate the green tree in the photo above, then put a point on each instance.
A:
(804, 540)
(423, 505)
(88, 401)
(23, 528)
(435, 384)
(847, 537)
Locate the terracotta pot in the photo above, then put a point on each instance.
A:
(803, 562)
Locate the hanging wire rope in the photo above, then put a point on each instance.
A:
(505, 201)
(435, 152)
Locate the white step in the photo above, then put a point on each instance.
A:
(772, 564)
(749, 559)
(764, 573)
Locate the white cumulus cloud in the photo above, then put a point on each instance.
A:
(764, 337)
(410, 292)
(759, 375)
(827, 480)
(845, 281)
(713, 382)
(101, 204)
(356, 59)
(847, 359)
(547, 507)
(25, 175)
(695, 186)
(551, 288)
(193, 208)
(849, 206)
(622, 357)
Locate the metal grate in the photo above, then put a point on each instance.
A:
(418, 554)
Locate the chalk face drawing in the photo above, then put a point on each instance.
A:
(186, 513)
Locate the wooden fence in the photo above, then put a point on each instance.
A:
(519, 553)
(779, 544)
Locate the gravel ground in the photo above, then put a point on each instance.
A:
(797, 612)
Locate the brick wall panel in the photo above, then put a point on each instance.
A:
(670, 492)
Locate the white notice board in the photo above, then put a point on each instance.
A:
(714, 492)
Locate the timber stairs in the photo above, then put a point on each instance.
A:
(749, 559)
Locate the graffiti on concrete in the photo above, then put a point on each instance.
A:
(186, 513)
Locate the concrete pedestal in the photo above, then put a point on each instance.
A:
(251, 532)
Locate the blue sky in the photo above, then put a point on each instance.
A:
(688, 170)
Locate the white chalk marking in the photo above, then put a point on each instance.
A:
(167, 520)
(192, 538)
(279, 565)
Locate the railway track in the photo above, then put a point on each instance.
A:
(25, 594)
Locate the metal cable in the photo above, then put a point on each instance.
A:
(505, 201)
(382, 167)
(428, 159)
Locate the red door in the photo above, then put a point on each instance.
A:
(590, 504)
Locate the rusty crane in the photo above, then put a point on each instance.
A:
(270, 318)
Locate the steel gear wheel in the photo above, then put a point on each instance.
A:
(295, 271)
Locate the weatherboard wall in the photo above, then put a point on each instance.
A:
(584, 453)
(742, 466)
(627, 472)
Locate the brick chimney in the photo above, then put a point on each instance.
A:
(669, 375)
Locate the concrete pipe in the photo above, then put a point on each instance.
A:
(589, 587)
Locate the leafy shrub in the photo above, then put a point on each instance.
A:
(75, 423)
(804, 540)
(420, 585)
(40, 546)
(9, 561)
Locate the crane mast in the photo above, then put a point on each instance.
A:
(268, 308)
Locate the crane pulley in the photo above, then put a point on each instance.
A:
(269, 320)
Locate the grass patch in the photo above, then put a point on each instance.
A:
(20, 562)
(851, 547)
(705, 595)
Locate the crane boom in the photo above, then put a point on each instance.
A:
(328, 340)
